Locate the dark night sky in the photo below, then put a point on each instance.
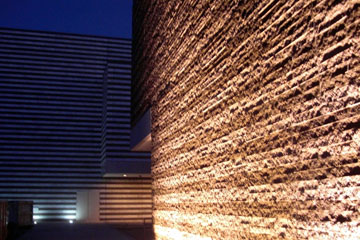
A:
(110, 18)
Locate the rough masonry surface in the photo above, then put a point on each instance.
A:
(255, 117)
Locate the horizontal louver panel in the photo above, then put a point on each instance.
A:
(54, 117)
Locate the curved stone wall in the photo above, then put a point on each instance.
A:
(255, 117)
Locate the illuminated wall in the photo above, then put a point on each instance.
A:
(255, 117)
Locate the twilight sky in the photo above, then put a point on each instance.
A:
(110, 18)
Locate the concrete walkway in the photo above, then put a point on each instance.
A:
(76, 231)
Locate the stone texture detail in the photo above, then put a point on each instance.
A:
(255, 117)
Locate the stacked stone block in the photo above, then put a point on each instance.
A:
(255, 117)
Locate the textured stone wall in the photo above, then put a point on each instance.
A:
(255, 117)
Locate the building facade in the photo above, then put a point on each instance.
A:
(255, 117)
(65, 126)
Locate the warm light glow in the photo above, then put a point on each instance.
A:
(171, 233)
(35, 222)
(257, 139)
(124, 175)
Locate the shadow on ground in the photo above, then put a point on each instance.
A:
(78, 231)
(138, 232)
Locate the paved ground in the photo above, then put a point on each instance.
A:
(76, 231)
(138, 232)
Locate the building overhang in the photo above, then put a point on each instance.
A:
(140, 139)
